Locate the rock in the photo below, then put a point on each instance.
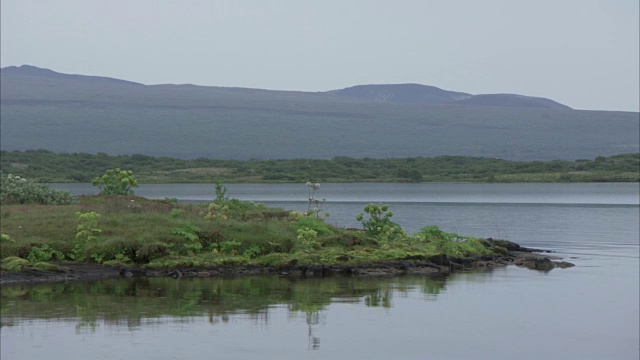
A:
(544, 264)
(564, 264)
(129, 273)
(176, 274)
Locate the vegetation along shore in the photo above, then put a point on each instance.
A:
(47, 167)
(48, 235)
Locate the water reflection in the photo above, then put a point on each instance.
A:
(143, 302)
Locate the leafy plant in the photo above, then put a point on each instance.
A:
(116, 182)
(229, 247)
(86, 231)
(451, 244)
(176, 213)
(223, 207)
(252, 252)
(221, 193)
(307, 239)
(318, 225)
(189, 232)
(44, 253)
(379, 224)
(87, 228)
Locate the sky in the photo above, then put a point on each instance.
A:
(582, 53)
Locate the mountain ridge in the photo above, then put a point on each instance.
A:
(78, 113)
(410, 93)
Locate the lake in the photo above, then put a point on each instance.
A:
(590, 311)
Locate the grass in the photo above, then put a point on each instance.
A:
(162, 234)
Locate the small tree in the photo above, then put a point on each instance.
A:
(116, 182)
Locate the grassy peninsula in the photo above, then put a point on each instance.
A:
(43, 228)
(46, 166)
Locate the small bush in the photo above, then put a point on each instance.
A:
(44, 253)
(317, 225)
(379, 224)
(13, 263)
(17, 190)
(116, 182)
(151, 251)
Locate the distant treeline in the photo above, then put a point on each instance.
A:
(46, 166)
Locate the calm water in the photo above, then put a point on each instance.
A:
(590, 311)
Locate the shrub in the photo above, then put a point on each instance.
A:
(44, 253)
(317, 225)
(151, 251)
(116, 182)
(18, 190)
(13, 263)
(87, 230)
(379, 224)
(189, 233)
(451, 244)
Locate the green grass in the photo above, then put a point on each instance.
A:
(155, 234)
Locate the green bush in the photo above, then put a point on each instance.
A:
(379, 224)
(44, 253)
(18, 190)
(13, 263)
(317, 225)
(116, 182)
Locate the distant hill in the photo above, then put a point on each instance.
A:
(431, 95)
(28, 70)
(43, 109)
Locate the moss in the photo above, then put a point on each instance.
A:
(13, 263)
(45, 266)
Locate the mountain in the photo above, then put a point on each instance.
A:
(43, 109)
(431, 95)
(28, 70)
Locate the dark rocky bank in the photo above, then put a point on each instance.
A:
(442, 265)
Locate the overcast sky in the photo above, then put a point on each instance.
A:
(583, 53)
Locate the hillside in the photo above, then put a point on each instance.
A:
(42, 109)
(431, 95)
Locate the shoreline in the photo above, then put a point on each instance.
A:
(534, 259)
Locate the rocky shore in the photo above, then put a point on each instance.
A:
(534, 259)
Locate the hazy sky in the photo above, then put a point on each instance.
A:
(583, 53)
